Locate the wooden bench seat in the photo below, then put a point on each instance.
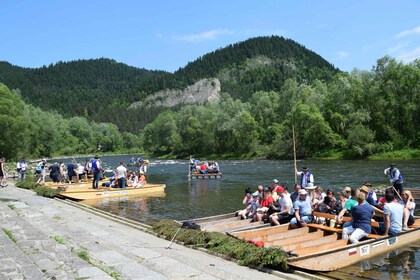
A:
(337, 230)
(345, 219)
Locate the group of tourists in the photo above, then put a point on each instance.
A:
(201, 167)
(91, 170)
(121, 178)
(274, 204)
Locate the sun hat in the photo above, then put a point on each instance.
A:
(302, 192)
(365, 189)
(256, 193)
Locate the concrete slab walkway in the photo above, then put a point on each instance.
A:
(43, 238)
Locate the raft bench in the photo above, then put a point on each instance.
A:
(338, 230)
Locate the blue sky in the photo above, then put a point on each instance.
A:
(166, 35)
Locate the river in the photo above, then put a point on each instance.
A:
(185, 199)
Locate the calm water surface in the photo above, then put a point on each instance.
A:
(185, 199)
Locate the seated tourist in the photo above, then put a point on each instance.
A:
(111, 180)
(393, 215)
(255, 204)
(318, 197)
(203, 168)
(409, 206)
(285, 213)
(247, 201)
(265, 207)
(330, 204)
(303, 210)
(132, 180)
(142, 180)
(361, 217)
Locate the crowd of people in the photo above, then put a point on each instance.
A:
(201, 167)
(89, 171)
(273, 204)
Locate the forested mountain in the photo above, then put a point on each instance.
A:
(267, 86)
(102, 89)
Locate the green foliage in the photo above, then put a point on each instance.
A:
(9, 233)
(269, 84)
(247, 254)
(59, 239)
(39, 189)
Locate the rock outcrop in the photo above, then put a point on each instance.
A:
(199, 93)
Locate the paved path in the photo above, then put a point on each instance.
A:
(55, 240)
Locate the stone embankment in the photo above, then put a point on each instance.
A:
(52, 239)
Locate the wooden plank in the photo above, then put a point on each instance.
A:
(345, 219)
(312, 236)
(309, 243)
(317, 247)
(251, 234)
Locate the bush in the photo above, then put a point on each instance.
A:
(39, 189)
(245, 253)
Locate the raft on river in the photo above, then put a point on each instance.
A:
(85, 191)
(318, 247)
(215, 175)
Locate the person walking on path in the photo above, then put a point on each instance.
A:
(305, 177)
(3, 175)
(21, 169)
(40, 171)
(395, 177)
(96, 171)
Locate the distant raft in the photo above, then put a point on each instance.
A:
(85, 192)
(217, 175)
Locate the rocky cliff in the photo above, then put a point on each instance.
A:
(199, 93)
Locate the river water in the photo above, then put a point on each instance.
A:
(185, 199)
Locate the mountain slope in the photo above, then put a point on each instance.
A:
(103, 90)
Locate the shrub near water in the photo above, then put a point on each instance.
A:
(39, 189)
(246, 254)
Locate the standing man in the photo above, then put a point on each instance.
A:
(305, 177)
(121, 175)
(21, 169)
(71, 170)
(96, 170)
(395, 177)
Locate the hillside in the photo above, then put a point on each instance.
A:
(103, 89)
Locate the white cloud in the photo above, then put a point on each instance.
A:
(341, 55)
(409, 56)
(203, 36)
(408, 32)
(397, 48)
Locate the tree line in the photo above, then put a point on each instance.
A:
(29, 132)
(356, 114)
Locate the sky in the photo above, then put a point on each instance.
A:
(167, 34)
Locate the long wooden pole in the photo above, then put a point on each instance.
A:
(294, 152)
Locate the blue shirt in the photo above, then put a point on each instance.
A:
(362, 214)
(304, 206)
(395, 212)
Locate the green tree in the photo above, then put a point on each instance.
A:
(14, 124)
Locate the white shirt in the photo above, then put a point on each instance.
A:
(284, 202)
(121, 170)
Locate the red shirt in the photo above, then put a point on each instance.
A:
(266, 202)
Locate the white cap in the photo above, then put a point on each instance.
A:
(302, 191)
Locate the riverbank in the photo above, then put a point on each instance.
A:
(52, 239)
